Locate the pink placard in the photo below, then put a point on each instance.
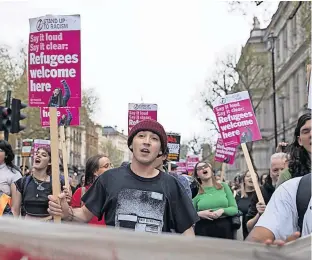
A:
(224, 154)
(40, 143)
(191, 161)
(181, 167)
(236, 119)
(54, 61)
(66, 116)
(139, 112)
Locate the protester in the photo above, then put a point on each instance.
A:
(215, 204)
(262, 179)
(160, 165)
(81, 183)
(243, 199)
(193, 183)
(237, 185)
(299, 151)
(95, 166)
(26, 169)
(9, 173)
(256, 209)
(287, 215)
(30, 193)
(138, 196)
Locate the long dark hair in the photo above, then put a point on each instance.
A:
(48, 151)
(299, 158)
(9, 155)
(92, 165)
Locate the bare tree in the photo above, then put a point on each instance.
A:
(90, 104)
(219, 85)
(184, 149)
(251, 73)
(115, 156)
(262, 9)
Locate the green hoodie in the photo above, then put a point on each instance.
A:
(285, 176)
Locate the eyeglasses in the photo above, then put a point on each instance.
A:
(199, 168)
(1, 150)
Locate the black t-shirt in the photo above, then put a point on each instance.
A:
(243, 205)
(35, 202)
(158, 204)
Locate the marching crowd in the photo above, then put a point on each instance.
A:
(142, 195)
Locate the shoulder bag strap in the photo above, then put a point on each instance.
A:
(303, 198)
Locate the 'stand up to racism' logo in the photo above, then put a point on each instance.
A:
(142, 106)
(40, 25)
(223, 100)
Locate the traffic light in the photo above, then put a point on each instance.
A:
(5, 119)
(17, 106)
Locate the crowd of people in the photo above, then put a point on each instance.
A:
(142, 195)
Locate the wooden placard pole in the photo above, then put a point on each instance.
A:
(64, 155)
(252, 173)
(169, 166)
(222, 171)
(56, 186)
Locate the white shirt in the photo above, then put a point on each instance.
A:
(7, 177)
(281, 216)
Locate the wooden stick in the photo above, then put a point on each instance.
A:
(64, 154)
(169, 166)
(252, 173)
(24, 163)
(56, 187)
(222, 171)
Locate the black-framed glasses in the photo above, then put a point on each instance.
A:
(199, 168)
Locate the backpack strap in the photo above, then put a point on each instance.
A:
(303, 198)
(25, 183)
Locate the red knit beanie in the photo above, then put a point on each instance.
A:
(149, 125)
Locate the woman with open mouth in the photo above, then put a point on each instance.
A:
(243, 199)
(214, 203)
(31, 192)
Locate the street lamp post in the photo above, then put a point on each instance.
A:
(282, 98)
(272, 40)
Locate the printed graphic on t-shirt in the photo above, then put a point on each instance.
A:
(140, 210)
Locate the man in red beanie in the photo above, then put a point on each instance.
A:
(136, 196)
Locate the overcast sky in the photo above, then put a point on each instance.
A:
(132, 50)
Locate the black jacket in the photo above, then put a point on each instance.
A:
(267, 191)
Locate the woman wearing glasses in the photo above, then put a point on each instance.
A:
(214, 203)
(95, 166)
